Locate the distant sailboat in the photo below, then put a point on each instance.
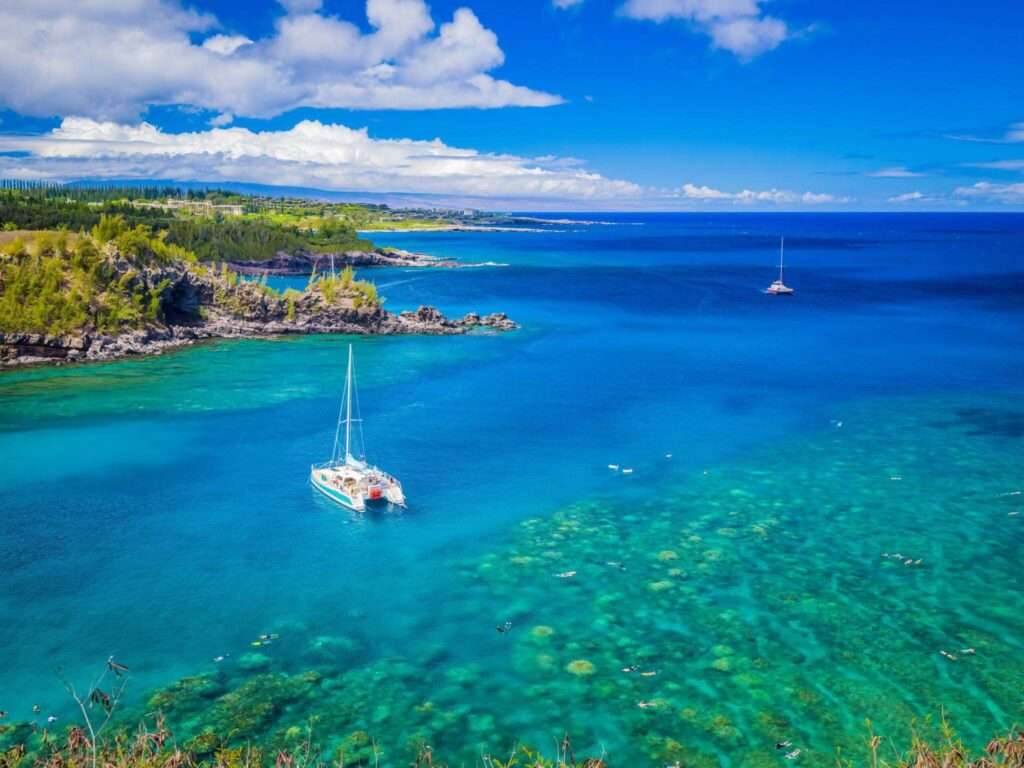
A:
(779, 288)
(347, 480)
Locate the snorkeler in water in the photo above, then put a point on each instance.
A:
(505, 627)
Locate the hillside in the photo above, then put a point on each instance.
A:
(127, 290)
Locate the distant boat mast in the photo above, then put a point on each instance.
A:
(782, 255)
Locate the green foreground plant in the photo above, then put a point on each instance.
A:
(152, 745)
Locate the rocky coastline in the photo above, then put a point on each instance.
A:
(36, 348)
(197, 303)
(305, 262)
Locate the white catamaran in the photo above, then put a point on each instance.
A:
(779, 288)
(345, 479)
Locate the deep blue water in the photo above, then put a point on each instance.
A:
(158, 509)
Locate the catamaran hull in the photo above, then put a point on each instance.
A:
(356, 505)
(336, 496)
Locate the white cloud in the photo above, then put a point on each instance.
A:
(312, 154)
(819, 198)
(225, 45)
(1014, 134)
(999, 165)
(224, 118)
(749, 36)
(751, 197)
(896, 172)
(338, 158)
(694, 192)
(908, 197)
(109, 59)
(1008, 194)
(738, 26)
(565, 3)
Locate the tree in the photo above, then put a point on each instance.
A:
(109, 227)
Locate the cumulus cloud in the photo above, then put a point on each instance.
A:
(751, 197)
(694, 192)
(339, 158)
(312, 154)
(111, 60)
(738, 26)
(896, 172)
(1007, 194)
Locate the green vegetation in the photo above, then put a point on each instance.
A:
(57, 278)
(218, 225)
(205, 224)
(345, 284)
(110, 280)
(32, 212)
(152, 745)
(243, 239)
(52, 286)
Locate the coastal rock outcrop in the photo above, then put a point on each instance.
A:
(304, 262)
(199, 303)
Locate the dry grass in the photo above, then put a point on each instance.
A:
(28, 236)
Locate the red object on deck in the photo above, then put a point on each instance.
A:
(375, 492)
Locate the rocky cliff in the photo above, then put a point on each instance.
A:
(197, 303)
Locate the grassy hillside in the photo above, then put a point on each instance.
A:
(117, 277)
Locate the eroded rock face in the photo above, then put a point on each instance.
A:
(203, 306)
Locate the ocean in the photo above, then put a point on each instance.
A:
(825, 494)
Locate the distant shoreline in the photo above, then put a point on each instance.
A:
(450, 228)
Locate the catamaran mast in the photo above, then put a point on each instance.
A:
(346, 411)
(348, 406)
(782, 254)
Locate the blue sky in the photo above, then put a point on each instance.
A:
(631, 104)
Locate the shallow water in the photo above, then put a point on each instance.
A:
(158, 509)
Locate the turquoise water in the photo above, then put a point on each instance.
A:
(158, 509)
